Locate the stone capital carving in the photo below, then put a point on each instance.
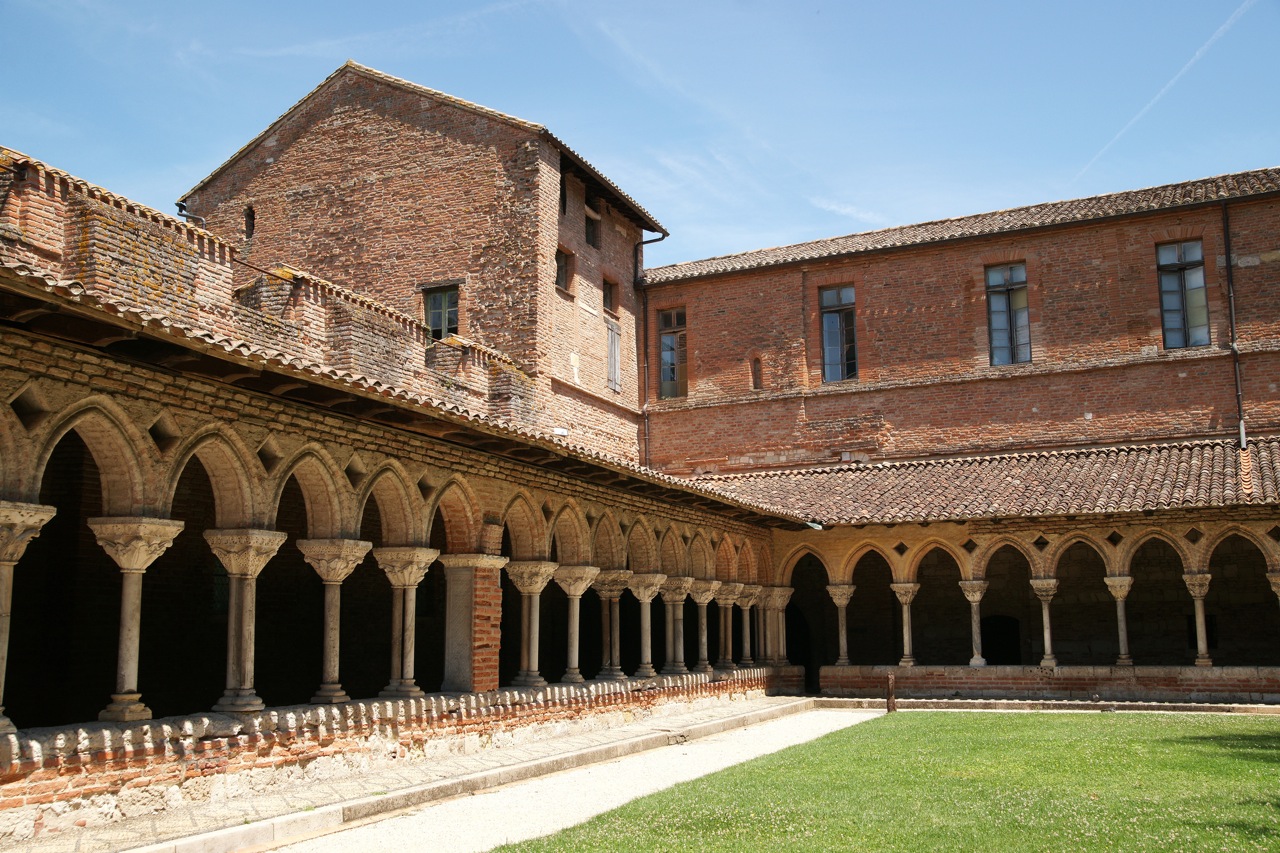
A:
(974, 590)
(19, 524)
(611, 583)
(531, 576)
(840, 593)
(1119, 587)
(702, 591)
(906, 592)
(471, 561)
(645, 587)
(750, 595)
(1044, 588)
(781, 595)
(575, 580)
(334, 559)
(727, 594)
(135, 543)
(405, 567)
(1274, 578)
(1197, 584)
(243, 553)
(676, 589)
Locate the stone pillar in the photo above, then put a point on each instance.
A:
(530, 577)
(702, 591)
(973, 591)
(609, 585)
(19, 524)
(782, 595)
(405, 568)
(674, 591)
(334, 560)
(840, 594)
(727, 596)
(1045, 589)
(575, 580)
(1119, 588)
(243, 553)
(134, 544)
(750, 595)
(1198, 585)
(472, 622)
(645, 589)
(906, 592)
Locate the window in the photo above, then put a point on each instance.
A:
(609, 297)
(250, 222)
(1007, 315)
(615, 356)
(839, 355)
(1184, 307)
(591, 221)
(564, 270)
(674, 374)
(757, 375)
(440, 308)
(564, 196)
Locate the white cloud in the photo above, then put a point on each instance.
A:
(850, 211)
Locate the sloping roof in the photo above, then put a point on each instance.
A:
(1197, 474)
(1205, 190)
(642, 216)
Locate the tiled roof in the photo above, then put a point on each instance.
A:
(1239, 185)
(1195, 474)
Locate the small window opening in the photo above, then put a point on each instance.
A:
(757, 375)
(564, 271)
(564, 196)
(609, 297)
(591, 222)
(250, 221)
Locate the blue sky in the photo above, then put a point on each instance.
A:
(739, 124)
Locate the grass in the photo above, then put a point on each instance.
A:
(976, 781)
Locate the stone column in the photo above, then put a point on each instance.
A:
(1198, 585)
(609, 585)
(1119, 588)
(750, 595)
(530, 577)
(840, 594)
(134, 544)
(973, 591)
(19, 524)
(727, 596)
(645, 588)
(1045, 589)
(702, 591)
(674, 592)
(243, 553)
(575, 580)
(405, 568)
(782, 595)
(906, 592)
(334, 560)
(472, 622)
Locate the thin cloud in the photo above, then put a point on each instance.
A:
(1222, 30)
(850, 211)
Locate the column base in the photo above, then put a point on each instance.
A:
(702, 667)
(645, 670)
(401, 689)
(125, 708)
(330, 694)
(6, 725)
(1204, 660)
(977, 660)
(1049, 661)
(746, 662)
(573, 676)
(840, 661)
(908, 660)
(239, 701)
(1124, 660)
(726, 666)
(529, 679)
(675, 669)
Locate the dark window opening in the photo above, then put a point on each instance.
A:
(609, 296)
(1007, 314)
(839, 350)
(591, 221)
(1184, 304)
(250, 222)
(674, 376)
(564, 270)
(564, 196)
(440, 310)
(757, 375)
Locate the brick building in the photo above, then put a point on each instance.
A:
(392, 440)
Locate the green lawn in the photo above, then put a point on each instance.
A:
(976, 781)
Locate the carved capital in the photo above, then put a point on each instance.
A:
(19, 524)
(727, 594)
(611, 583)
(750, 595)
(334, 559)
(1119, 587)
(781, 595)
(974, 590)
(405, 567)
(702, 591)
(645, 587)
(840, 593)
(243, 553)
(470, 561)
(1044, 588)
(135, 543)
(906, 592)
(531, 576)
(1197, 584)
(676, 589)
(575, 580)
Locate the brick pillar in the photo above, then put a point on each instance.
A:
(334, 560)
(473, 621)
(973, 591)
(840, 595)
(19, 524)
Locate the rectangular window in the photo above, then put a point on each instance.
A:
(591, 221)
(615, 356)
(440, 309)
(609, 297)
(564, 270)
(674, 374)
(1184, 304)
(1007, 314)
(839, 353)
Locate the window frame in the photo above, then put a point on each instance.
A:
(845, 315)
(1179, 268)
(673, 327)
(441, 289)
(592, 221)
(569, 268)
(1009, 288)
(613, 336)
(609, 293)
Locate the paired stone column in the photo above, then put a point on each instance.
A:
(405, 568)
(19, 524)
(840, 594)
(973, 591)
(472, 622)
(1119, 588)
(243, 553)
(702, 591)
(645, 589)
(609, 585)
(726, 597)
(776, 623)
(674, 591)
(334, 560)
(575, 580)
(1198, 585)
(1045, 589)
(134, 544)
(530, 577)
(746, 601)
(906, 593)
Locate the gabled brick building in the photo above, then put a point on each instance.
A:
(393, 428)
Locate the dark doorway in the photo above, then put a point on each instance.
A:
(1002, 641)
(812, 641)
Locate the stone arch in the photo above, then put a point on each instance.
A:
(526, 528)
(1265, 547)
(388, 485)
(794, 556)
(1241, 620)
(811, 617)
(570, 535)
(225, 461)
(674, 556)
(317, 476)
(921, 551)
(458, 509)
(114, 442)
(981, 558)
(726, 561)
(940, 610)
(846, 572)
(748, 566)
(765, 570)
(702, 560)
(642, 549)
(1131, 546)
(1055, 553)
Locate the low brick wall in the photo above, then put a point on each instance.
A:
(1247, 684)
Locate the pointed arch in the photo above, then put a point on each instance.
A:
(702, 559)
(317, 476)
(748, 567)
(978, 562)
(795, 555)
(571, 534)
(607, 547)
(726, 561)
(1267, 549)
(456, 503)
(765, 569)
(225, 459)
(845, 573)
(114, 443)
(917, 554)
(388, 485)
(642, 549)
(1130, 548)
(1055, 553)
(526, 528)
(674, 557)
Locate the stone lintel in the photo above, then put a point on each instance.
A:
(471, 561)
